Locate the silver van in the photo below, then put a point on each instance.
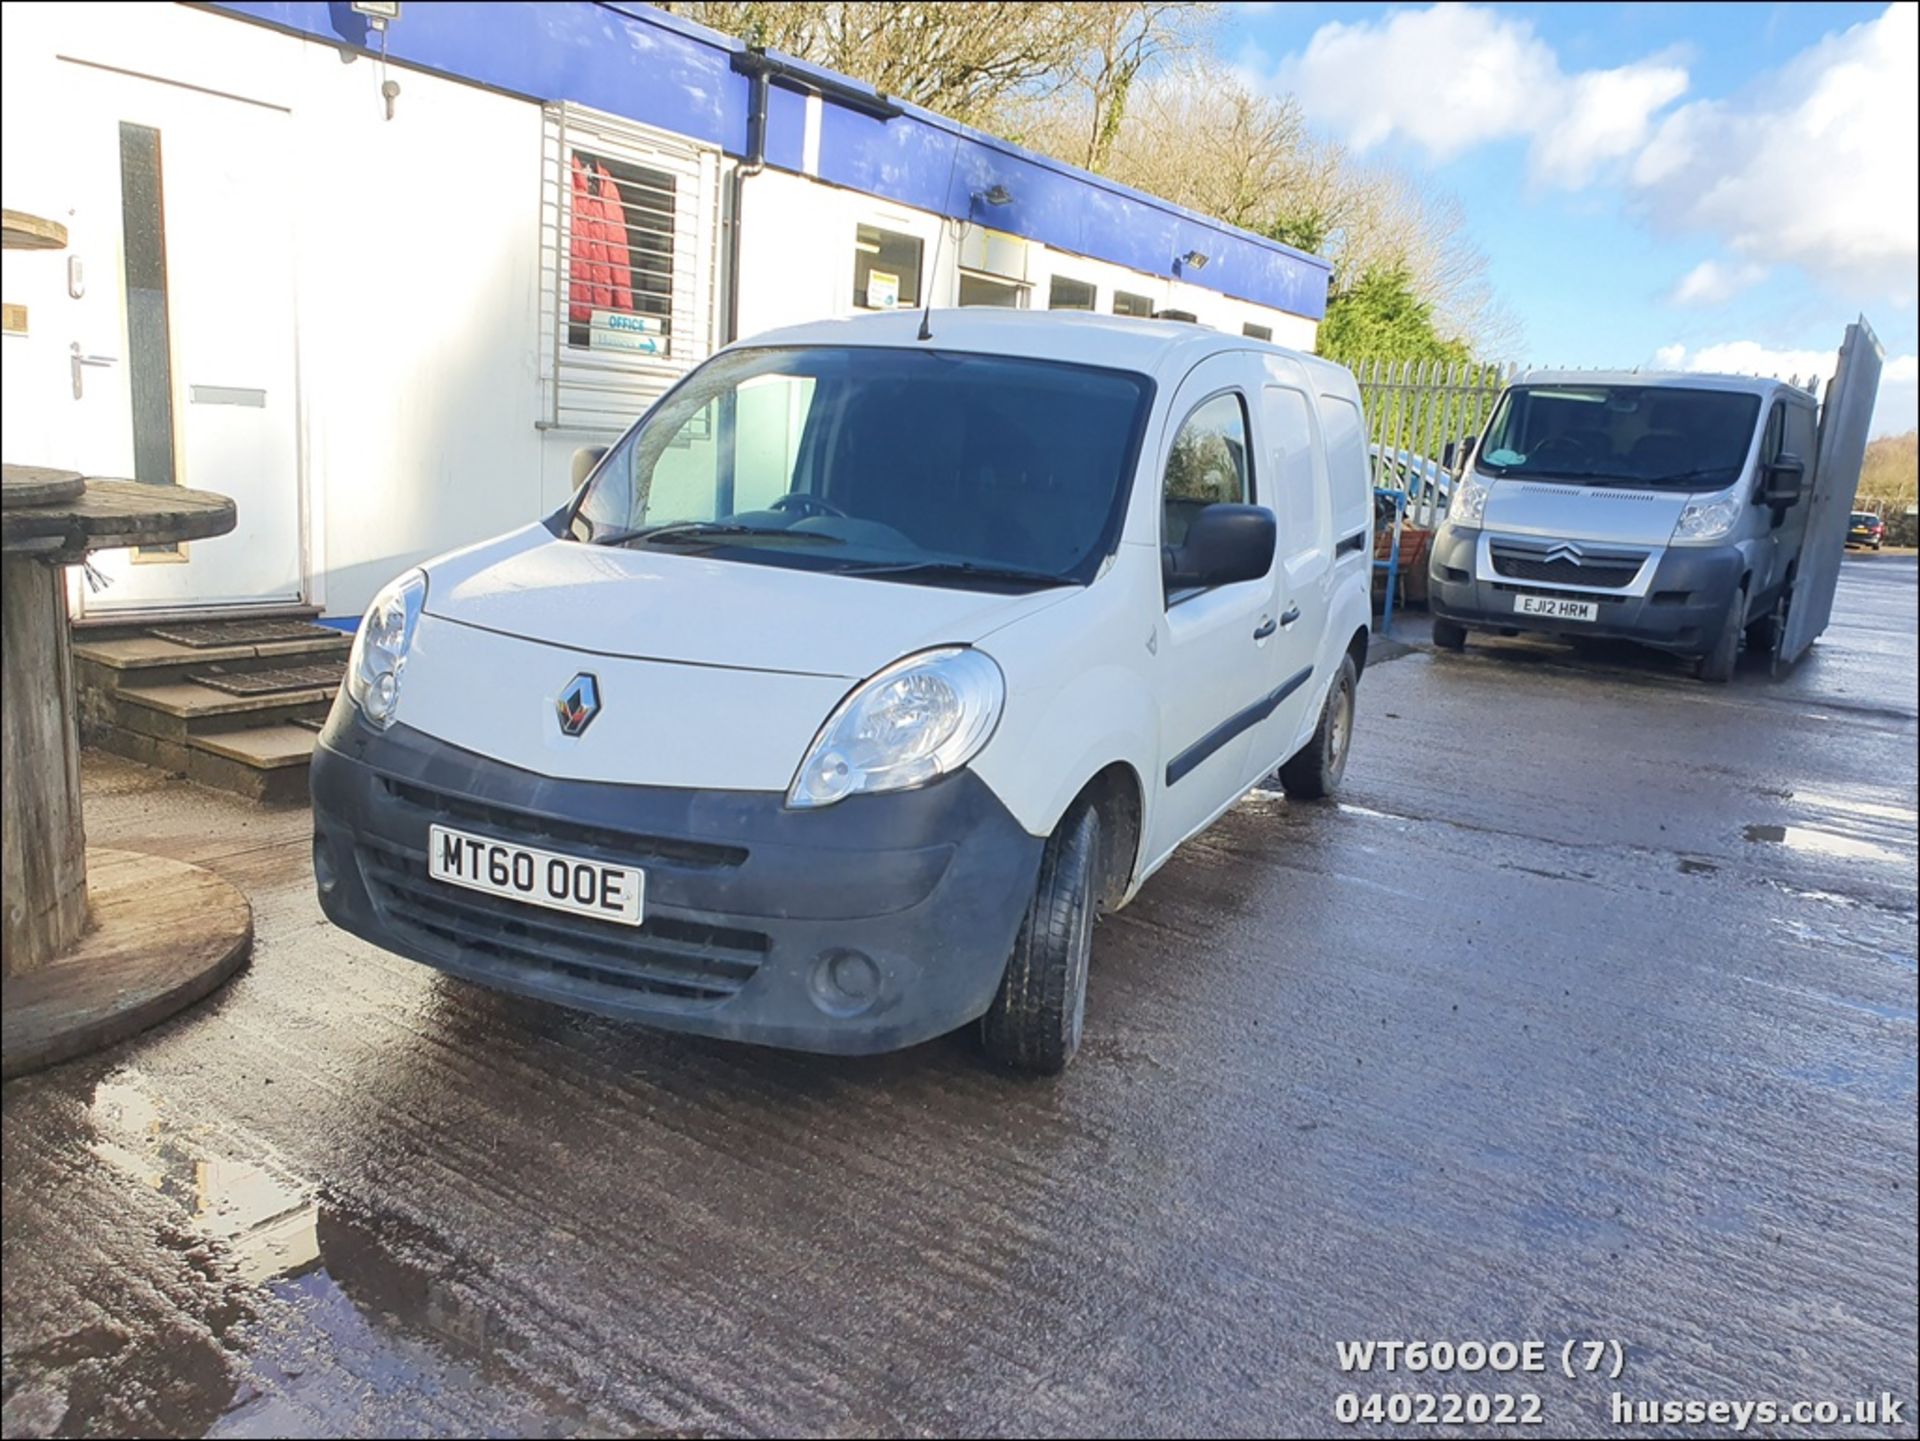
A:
(1664, 509)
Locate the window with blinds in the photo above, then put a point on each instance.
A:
(629, 271)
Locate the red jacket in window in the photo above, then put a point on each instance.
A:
(613, 235)
(587, 270)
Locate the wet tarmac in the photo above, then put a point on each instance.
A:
(1588, 1013)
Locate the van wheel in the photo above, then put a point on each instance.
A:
(1716, 666)
(1316, 769)
(1448, 635)
(1034, 1022)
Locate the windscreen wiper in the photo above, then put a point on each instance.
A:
(695, 531)
(1705, 472)
(964, 568)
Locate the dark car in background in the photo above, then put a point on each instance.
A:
(1866, 528)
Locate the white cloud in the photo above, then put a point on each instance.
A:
(1455, 76)
(1603, 115)
(1712, 283)
(1815, 166)
(1894, 408)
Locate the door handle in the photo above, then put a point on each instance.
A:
(1266, 629)
(1291, 616)
(79, 359)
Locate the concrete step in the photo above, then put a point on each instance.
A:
(268, 764)
(113, 626)
(146, 660)
(180, 709)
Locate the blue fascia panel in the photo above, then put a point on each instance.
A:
(650, 66)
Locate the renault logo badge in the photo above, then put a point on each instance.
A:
(579, 703)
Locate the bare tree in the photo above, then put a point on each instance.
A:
(962, 60)
(1121, 41)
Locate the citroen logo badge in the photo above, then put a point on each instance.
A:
(1571, 554)
(579, 703)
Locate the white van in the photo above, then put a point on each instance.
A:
(858, 677)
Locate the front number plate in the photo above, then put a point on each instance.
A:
(537, 877)
(1554, 606)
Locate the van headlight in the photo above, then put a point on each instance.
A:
(380, 647)
(919, 719)
(1707, 520)
(1468, 505)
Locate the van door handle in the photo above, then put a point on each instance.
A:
(1291, 616)
(1267, 628)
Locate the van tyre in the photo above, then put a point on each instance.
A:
(1035, 1020)
(1448, 635)
(1716, 666)
(1315, 771)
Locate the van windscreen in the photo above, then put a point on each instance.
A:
(1656, 436)
(921, 465)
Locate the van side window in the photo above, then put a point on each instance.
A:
(1206, 466)
(1293, 488)
(1799, 438)
(1771, 446)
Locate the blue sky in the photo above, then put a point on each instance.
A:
(1686, 185)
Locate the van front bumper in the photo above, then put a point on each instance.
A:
(1682, 609)
(861, 927)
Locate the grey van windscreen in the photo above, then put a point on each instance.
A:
(920, 465)
(1653, 436)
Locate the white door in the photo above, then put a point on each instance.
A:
(1209, 674)
(179, 330)
(1290, 479)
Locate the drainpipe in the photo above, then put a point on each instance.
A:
(759, 80)
(761, 70)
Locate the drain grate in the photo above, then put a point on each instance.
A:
(268, 682)
(206, 635)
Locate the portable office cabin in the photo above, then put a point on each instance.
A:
(380, 284)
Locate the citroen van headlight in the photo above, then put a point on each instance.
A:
(917, 720)
(1468, 505)
(1708, 519)
(380, 647)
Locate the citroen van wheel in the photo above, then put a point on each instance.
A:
(1716, 666)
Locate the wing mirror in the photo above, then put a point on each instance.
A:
(1225, 543)
(1782, 481)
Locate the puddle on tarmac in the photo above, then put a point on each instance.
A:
(350, 1290)
(1819, 843)
(1874, 809)
(263, 1218)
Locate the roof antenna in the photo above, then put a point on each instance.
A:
(926, 282)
